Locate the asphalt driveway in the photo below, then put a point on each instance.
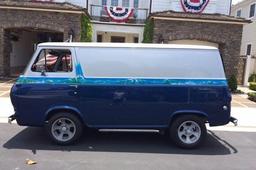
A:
(120, 151)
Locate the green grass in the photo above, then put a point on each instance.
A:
(252, 96)
(252, 86)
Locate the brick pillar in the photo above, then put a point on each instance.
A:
(7, 45)
(241, 69)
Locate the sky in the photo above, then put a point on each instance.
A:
(235, 1)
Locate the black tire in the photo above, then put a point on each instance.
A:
(73, 125)
(179, 126)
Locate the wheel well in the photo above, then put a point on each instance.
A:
(55, 111)
(174, 117)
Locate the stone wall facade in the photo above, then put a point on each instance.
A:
(241, 69)
(227, 36)
(34, 20)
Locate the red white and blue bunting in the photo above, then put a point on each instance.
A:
(119, 14)
(42, 0)
(194, 6)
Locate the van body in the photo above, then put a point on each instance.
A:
(122, 86)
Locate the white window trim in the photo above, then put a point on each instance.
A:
(31, 73)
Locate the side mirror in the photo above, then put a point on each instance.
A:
(43, 73)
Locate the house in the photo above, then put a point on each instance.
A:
(106, 28)
(202, 22)
(247, 9)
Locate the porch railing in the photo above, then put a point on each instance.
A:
(99, 13)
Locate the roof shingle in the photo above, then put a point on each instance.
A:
(41, 5)
(213, 17)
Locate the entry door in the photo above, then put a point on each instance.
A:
(117, 39)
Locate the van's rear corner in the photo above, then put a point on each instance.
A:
(218, 105)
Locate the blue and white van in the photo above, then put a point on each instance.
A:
(171, 88)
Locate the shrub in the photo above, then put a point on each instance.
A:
(252, 78)
(232, 83)
(148, 31)
(86, 29)
(252, 96)
(252, 86)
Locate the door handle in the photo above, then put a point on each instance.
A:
(73, 85)
(74, 91)
(119, 97)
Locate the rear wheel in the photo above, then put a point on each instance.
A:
(188, 131)
(64, 128)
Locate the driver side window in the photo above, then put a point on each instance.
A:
(53, 60)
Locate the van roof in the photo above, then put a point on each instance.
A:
(127, 45)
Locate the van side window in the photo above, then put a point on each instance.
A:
(53, 60)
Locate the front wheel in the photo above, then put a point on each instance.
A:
(188, 131)
(64, 128)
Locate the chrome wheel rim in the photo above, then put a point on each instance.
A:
(189, 132)
(63, 129)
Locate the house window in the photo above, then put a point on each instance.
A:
(126, 3)
(238, 13)
(252, 10)
(117, 39)
(135, 39)
(249, 49)
(104, 2)
(99, 38)
(114, 2)
(136, 3)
